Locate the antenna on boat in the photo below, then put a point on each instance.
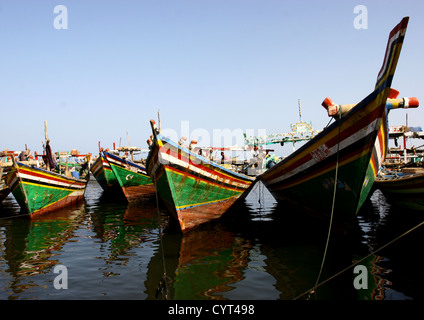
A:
(300, 112)
(159, 120)
(128, 138)
(46, 134)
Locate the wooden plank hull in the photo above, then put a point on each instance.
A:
(347, 147)
(4, 191)
(408, 190)
(40, 191)
(104, 175)
(132, 178)
(407, 185)
(194, 189)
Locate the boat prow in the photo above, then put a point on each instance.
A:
(329, 174)
(194, 189)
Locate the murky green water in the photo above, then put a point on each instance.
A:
(112, 250)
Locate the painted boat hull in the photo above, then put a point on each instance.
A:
(407, 190)
(104, 175)
(349, 147)
(40, 191)
(132, 178)
(194, 189)
(4, 191)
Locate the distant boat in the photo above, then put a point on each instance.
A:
(337, 159)
(5, 166)
(132, 178)
(40, 190)
(195, 189)
(4, 191)
(406, 189)
(104, 175)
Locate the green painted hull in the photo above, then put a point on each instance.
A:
(346, 202)
(105, 176)
(39, 191)
(132, 178)
(367, 186)
(194, 189)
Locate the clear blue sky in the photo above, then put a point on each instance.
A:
(219, 64)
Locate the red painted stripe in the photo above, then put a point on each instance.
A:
(402, 25)
(218, 184)
(45, 175)
(179, 156)
(324, 168)
(329, 143)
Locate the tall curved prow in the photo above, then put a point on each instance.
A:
(334, 172)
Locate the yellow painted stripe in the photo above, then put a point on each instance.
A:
(207, 202)
(309, 177)
(50, 204)
(51, 187)
(45, 175)
(210, 182)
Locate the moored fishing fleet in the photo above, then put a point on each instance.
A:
(335, 170)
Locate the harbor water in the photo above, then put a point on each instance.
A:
(105, 248)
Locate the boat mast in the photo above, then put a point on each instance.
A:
(300, 112)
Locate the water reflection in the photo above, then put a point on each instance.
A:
(30, 246)
(394, 268)
(121, 227)
(264, 250)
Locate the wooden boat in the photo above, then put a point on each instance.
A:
(406, 189)
(104, 175)
(5, 166)
(405, 158)
(300, 131)
(379, 152)
(195, 189)
(40, 190)
(132, 178)
(4, 189)
(338, 158)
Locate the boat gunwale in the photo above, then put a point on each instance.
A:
(202, 159)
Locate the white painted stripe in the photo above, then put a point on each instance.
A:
(166, 159)
(169, 159)
(378, 152)
(73, 184)
(126, 165)
(386, 58)
(343, 144)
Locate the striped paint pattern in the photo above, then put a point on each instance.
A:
(4, 191)
(194, 189)
(104, 174)
(132, 178)
(406, 185)
(306, 177)
(38, 191)
(384, 81)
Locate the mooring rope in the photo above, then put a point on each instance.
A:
(332, 211)
(359, 261)
(162, 288)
